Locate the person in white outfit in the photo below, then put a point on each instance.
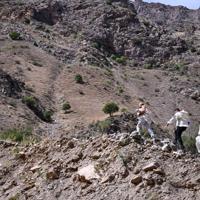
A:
(198, 141)
(181, 117)
(144, 121)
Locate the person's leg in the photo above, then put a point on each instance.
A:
(139, 126)
(180, 130)
(149, 129)
(175, 137)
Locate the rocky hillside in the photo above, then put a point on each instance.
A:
(97, 168)
(60, 62)
(120, 49)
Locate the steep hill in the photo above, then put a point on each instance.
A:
(121, 51)
(125, 52)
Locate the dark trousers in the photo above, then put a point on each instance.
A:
(178, 140)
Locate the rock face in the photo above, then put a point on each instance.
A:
(119, 28)
(172, 18)
(9, 86)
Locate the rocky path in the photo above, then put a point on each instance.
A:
(98, 168)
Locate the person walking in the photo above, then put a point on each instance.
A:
(144, 121)
(181, 117)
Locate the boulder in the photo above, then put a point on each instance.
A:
(151, 166)
(52, 174)
(136, 179)
(35, 168)
(108, 178)
(88, 172)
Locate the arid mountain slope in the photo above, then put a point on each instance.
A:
(121, 51)
(124, 52)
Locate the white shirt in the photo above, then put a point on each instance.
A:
(181, 118)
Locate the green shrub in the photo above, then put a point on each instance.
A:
(148, 66)
(190, 143)
(14, 35)
(79, 79)
(124, 110)
(16, 135)
(47, 114)
(103, 126)
(110, 108)
(29, 101)
(66, 106)
(119, 59)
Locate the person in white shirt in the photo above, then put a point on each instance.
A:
(198, 141)
(181, 117)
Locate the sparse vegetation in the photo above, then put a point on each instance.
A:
(47, 114)
(148, 66)
(104, 125)
(110, 108)
(181, 68)
(124, 110)
(15, 35)
(17, 135)
(29, 101)
(79, 79)
(119, 59)
(66, 106)
(190, 143)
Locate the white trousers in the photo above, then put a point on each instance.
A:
(143, 123)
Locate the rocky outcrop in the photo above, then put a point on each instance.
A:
(146, 171)
(9, 86)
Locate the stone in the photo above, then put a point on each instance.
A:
(21, 155)
(70, 145)
(35, 168)
(166, 148)
(52, 174)
(88, 172)
(151, 166)
(136, 179)
(95, 155)
(159, 171)
(108, 178)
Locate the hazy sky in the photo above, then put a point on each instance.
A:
(193, 4)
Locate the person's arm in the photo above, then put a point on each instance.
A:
(172, 120)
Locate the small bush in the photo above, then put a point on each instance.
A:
(79, 79)
(119, 59)
(110, 108)
(148, 66)
(190, 143)
(14, 35)
(47, 114)
(16, 135)
(103, 126)
(124, 110)
(29, 101)
(66, 106)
